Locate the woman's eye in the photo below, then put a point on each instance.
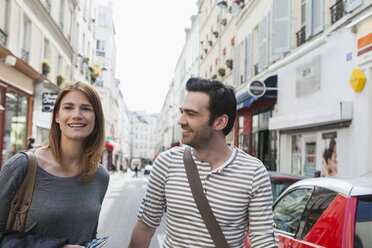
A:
(67, 107)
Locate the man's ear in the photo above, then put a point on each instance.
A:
(220, 122)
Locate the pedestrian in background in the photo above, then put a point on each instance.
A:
(70, 183)
(31, 142)
(236, 185)
(136, 171)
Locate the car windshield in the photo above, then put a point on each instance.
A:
(363, 222)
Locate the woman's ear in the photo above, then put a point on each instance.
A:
(220, 122)
(57, 118)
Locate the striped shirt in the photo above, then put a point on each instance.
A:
(238, 191)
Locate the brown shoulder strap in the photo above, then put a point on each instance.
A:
(22, 200)
(202, 201)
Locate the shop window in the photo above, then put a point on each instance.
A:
(15, 128)
(263, 141)
(310, 159)
(296, 154)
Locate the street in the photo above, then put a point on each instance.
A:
(119, 210)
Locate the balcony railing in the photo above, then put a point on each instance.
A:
(3, 37)
(24, 55)
(337, 11)
(256, 69)
(301, 36)
(99, 83)
(100, 53)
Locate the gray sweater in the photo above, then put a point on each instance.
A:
(60, 207)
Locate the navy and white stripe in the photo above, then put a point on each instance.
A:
(238, 191)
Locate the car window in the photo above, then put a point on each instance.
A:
(278, 187)
(318, 203)
(288, 210)
(363, 222)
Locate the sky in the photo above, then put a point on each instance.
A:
(149, 39)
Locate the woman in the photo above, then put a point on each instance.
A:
(70, 183)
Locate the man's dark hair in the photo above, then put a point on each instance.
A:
(221, 99)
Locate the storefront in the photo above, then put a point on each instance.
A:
(16, 99)
(252, 133)
(323, 124)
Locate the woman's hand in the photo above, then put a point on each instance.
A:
(73, 246)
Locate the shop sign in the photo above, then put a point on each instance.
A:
(364, 51)
(308, 77)
(49, 99)
(357, 80)
(257, 88)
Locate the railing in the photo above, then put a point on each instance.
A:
(24, 55)
(100, 53)
(3, 37)
(337, 11)
(99, 83)
(256, 69)
(301, 36)
(47, 5)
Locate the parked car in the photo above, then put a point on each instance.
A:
(281, 181)
(148, 169)
(325, 212)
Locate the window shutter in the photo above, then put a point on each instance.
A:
(281, 27)
(236, 66)
(352, 4)
(248, 56)
(263, 43)
(318, 16)
(309, 26)
(244, 72)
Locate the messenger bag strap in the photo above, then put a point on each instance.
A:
(202, 201)
(22, 199)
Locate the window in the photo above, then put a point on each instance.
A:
(46, 49)
(61, 14)
(3, 21)
(263, 45)
(15, 126)
(102, 19)
(288, 211)
(296, 154)
(26, 39)
(318, 203)
(363, 222)
(314, 17)
(100, 49)
(281, 28)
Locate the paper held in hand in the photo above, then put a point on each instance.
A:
(97, 243)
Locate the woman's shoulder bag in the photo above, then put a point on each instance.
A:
(22, 200)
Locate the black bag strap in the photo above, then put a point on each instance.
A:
(202, 201)
(22, 199)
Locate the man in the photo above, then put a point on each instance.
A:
(236, 185)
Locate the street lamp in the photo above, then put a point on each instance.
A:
(222, 4)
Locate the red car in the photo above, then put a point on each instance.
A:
(325, 212)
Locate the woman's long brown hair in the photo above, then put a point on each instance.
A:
(93, 145)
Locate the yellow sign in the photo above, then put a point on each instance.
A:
(357, 80)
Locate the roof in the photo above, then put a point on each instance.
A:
(346, 186)
(273, 174)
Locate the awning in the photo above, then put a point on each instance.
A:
(245, 100)
(318, 116)
(112, 145)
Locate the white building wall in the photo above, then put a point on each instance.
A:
(323, 105)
